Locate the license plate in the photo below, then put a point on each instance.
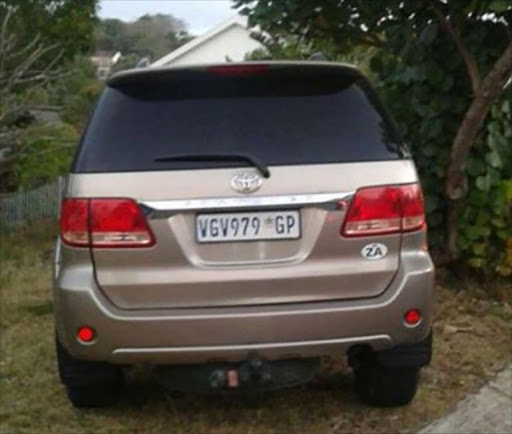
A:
(247, 226)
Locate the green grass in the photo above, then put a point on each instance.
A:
(33, 401)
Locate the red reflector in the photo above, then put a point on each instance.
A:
(412, 317)
(238, 69)
(384, 210)
(85, 334)
(104, 223)
(74, 222)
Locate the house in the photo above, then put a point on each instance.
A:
(230, 41)
(104, 62)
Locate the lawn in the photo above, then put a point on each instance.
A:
(472, 342)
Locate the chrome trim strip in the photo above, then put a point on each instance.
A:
(321, 200)
(248, 347)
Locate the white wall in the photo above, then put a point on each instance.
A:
(234, 42)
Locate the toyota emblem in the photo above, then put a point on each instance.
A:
(246, 182)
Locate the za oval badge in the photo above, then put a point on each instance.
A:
(374, 251)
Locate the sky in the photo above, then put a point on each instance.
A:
(200, 15)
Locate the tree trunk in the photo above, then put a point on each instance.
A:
(456, 179)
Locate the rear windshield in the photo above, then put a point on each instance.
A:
(279, 118)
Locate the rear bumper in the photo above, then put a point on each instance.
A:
(231, 334)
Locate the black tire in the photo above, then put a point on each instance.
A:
(94, 396)
(386, 386)
(89, 384)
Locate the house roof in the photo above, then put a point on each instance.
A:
(236, 20)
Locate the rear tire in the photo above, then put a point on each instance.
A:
(89, 384)
(94, 396)
(386, 386)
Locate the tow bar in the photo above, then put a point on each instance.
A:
(251, 375)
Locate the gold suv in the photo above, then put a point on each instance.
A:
(230, 224)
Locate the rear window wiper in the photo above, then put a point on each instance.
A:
(253, 161)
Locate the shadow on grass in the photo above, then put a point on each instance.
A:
(311, 405)
(39, 309)
(143, 389)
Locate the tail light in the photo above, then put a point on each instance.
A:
(104, 223)
(385, 210)
(74, 222)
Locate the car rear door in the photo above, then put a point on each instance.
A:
(322, 138)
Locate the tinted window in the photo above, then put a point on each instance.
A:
(280, 119)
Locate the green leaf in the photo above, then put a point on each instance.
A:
(506, 187)
(429, 33)
(498, 204)
(483, 217)
(475, 167)
(433, 128)
(472, 232)
(376, 63)
(431, 203)
(503, 234)
(435, 75)
(493, 127)
(477, 198)
(499, 223)
(494, 175)
(506, 107)
(420, 109)
(499, 5)
(447, 83)
(428, 150)
(476, 262)
(435, 219)
(493, 141)
(441, 104)
(493, 159)
(483, 183)
(458, 105)
(435, 238)
(479, 249)
(440, 171)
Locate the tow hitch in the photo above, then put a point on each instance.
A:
(251, 375)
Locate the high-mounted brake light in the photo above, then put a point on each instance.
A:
(104, 223)
(233, 70)
(385, 210)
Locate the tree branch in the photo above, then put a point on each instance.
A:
(27, 48)
(4, 39)
(456, 179)
(18, 74)
(44, 107)
(474, 117)
(469, 60)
